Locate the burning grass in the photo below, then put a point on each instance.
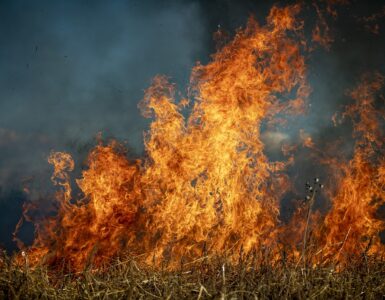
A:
(200, 211)
(206, 278)
(210, 166)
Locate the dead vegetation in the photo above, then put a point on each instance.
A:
(206, 278)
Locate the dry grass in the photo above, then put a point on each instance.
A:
(207, 278)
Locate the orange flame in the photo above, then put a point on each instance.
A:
(206, 185)
(351, 227)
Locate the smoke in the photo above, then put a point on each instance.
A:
(71, 69)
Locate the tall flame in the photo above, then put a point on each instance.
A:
(206, 185)
(352, 227)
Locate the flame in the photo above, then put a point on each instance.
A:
(206, 185)
(351, 227)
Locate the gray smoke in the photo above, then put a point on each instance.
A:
(70, 69)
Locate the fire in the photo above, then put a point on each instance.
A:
(351, 227)
(206, 185)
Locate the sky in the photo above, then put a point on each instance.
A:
(71, 69)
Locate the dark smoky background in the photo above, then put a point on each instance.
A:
(71, 69)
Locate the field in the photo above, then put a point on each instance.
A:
(206, 278)
(260, 177)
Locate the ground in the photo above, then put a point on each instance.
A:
(207, 278)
